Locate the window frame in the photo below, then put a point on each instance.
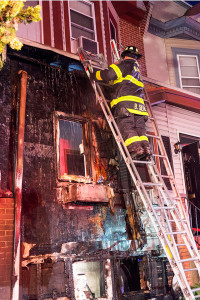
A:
(187, 77)
(69, 177)
(183, 51)
(82, 27)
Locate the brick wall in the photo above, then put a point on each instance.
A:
(133, 35)
(6, 246)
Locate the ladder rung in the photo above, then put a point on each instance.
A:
(164, 207)
(188, 270)
(153, 136)
(150, 118)
(159, 155)
(176, 232)
(196, 290)
(188, 259)
(166, 176)
(177, 221)
(146, 162)
(152, 184)
(180, 245)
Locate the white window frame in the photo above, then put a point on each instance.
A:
(82, 27)
(183, 77)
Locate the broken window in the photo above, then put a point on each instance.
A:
(71, 156)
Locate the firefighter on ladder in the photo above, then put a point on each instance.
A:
(127, 102)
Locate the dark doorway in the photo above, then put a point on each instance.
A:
(191, 163)
(130, 277)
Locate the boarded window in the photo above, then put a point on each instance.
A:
(72, 160)
(189, 72)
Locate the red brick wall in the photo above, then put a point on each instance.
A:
(131, 35)
(6, 246)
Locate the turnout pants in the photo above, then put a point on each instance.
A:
(133, 131)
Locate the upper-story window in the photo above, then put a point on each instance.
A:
(82, 19)
(189, 73)
(112, 31)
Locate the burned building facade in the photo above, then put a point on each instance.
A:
(81, 235)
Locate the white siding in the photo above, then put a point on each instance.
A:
(155, 52)
(172, 121)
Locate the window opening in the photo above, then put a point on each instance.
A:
(72, 160)
(112, 31)
(89, 280)
(82, 22)
(189, 73)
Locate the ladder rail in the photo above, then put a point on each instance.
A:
(129, 163)
(165, 230)
(167, 245)
(176, 215)
(163, 152)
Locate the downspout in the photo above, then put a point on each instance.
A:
(18, 185)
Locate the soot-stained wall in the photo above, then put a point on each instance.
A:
(45, 221)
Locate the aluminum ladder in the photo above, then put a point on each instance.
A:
(165, 210)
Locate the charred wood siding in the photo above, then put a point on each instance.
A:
(46, 222)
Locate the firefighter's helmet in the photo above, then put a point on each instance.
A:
(131, 51)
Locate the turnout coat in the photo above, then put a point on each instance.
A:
(127, 103)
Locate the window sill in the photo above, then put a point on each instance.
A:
(74, 178)
(81, 192)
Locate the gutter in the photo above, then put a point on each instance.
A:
(18, 185)
(171, 87)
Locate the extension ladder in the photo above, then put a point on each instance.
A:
(165, 209)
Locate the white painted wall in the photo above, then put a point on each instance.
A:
(30, 32)
(155, 56)
(172, 121)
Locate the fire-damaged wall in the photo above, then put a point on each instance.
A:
(75, 226)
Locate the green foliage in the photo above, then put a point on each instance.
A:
(12, 13)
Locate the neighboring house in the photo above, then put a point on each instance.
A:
(75, 226)
(173, 77)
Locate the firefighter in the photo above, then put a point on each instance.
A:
(127, 102)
